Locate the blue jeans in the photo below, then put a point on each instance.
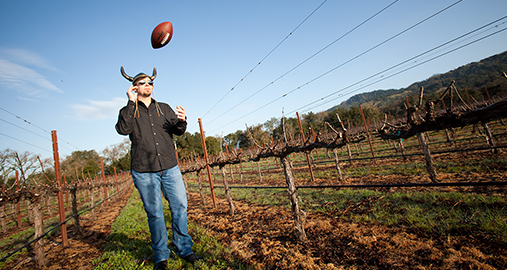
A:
(171, 184)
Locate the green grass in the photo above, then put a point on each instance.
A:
(129, 244)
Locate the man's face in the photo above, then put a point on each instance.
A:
(144, 87)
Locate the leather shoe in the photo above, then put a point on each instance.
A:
(162, 265)
(191, 258)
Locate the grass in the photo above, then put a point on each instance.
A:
(129, 244)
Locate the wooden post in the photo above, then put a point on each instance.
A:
(38, 231)
(303, 139)
(489, 137)
(402, 148)
(337, 162)
(56, 157)
(205, 151)
(299, 216)
(427, 156)
(227, 190)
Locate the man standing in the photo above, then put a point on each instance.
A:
(151, 126)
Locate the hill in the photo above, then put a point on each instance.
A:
(475, 78)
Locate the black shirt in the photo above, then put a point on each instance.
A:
(151, 135)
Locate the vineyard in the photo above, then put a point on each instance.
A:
(427, 192)
(37, 211)
(423, 192)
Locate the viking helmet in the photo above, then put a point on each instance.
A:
(138, 76)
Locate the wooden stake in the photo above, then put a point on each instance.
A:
(299, 216)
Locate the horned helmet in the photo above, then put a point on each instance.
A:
(138, 76)
(134, 80)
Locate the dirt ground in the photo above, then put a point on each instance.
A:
(262, 236)
(81, 249)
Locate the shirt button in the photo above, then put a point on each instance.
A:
(155, 133)
(157, 143)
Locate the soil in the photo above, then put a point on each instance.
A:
(83, 248)
(263, 237)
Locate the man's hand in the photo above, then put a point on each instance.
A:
(180, 113)
(132, 93)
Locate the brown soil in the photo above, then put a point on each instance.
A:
(263, 236)
(83, 248)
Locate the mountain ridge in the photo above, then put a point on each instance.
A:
(480, 80)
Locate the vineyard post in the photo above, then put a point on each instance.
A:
(402, 148)
(489, 137)
(367, 133)
(104, 181)
(18, 204)
(337, 162)
(259, 170)
(427, 156)
(303, 139)
(39, 230)
(205, 151)
(56, 157)
(299, 216)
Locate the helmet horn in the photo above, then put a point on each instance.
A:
(154, 74)
(130, 79)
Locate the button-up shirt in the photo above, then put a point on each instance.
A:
(151, 135)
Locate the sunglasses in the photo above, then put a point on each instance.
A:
(142, 82)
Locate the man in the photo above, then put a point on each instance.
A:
(151, 126)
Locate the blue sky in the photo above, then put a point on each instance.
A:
(60, 60)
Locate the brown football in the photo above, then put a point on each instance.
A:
(161, 35)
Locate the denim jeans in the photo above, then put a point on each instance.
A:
(170, 182)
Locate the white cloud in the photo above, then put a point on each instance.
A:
(24, 80)
(98, 110)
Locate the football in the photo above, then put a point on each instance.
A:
(161, 35)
